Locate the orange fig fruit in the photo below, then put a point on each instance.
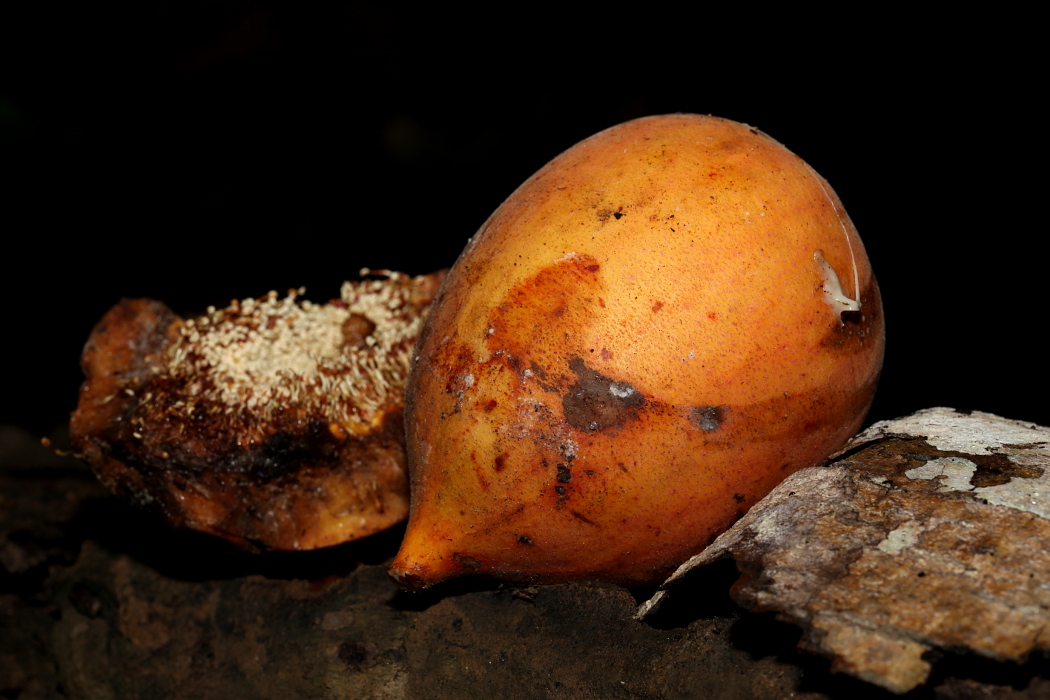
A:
(646, 337)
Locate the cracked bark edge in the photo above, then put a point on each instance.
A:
(927, 532)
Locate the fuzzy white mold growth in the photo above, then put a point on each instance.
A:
(833, 292)
(832, 287)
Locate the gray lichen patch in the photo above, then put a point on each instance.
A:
(903, 547)
(975, 433)
(900, 538)
(955, 472)
(1028, 495)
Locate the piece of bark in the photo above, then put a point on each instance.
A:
(931, 532)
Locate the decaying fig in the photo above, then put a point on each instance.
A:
(651, 332)
(273, 423)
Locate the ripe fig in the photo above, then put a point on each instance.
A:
(645, 338)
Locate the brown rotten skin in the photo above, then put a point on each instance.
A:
(271, 423)
(642, 341)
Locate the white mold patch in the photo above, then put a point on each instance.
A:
(621, 391)
(833, 293)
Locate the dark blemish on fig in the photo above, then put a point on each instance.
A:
(622, 467)
(560, 489)
(525, 540)
(488, 408)
(601, 302)
(467, 562)
(592, 268)
(564, 475)
(856, 330)
(708, 418)
(617, 215)
(543, 463)
(540, 377)
(596, 402)
(501, 461)
(581, 517)
(606, 355)
(657, 306)
(588, 472)
(738, 497)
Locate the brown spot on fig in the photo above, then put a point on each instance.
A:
(657, 306)
(581, 517)
(708, 418)
(560, 295)
(739, 497)
(501, 461)
(564, 475)
(467, 562)
(856, 330)
(596, 402)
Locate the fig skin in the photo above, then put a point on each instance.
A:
(637, 345)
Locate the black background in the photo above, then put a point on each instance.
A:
(199, 151)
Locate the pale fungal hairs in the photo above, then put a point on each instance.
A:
(849, 245)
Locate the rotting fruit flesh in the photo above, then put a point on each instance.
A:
(637, 345)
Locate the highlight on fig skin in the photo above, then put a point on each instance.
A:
(618, 367)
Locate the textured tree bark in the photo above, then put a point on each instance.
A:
(927, 533)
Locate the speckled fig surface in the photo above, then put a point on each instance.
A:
(645, 338)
